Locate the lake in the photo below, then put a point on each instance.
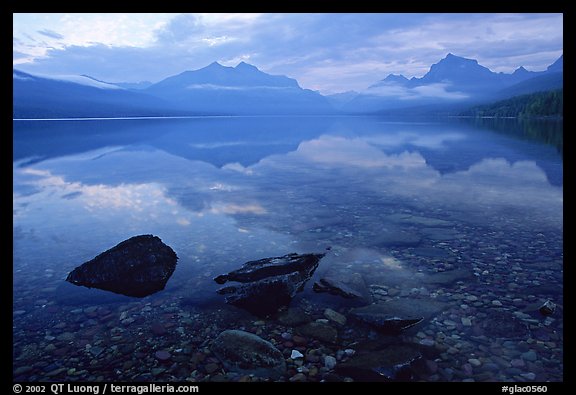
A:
(462, 214)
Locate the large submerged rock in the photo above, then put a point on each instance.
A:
(349, 286)
(391, 364)
(139, 266)
(397, 315)
(246, 353)
(270, 283)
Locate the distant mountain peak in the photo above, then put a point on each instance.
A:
(215, 65)
(520, 70)
(557, 66)
(395, 78)
(451, 58)
(246, 66)
(457, 70)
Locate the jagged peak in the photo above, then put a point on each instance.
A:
(246, 66)
(395, 77)
(454, 58)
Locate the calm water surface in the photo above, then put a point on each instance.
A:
(465, 213)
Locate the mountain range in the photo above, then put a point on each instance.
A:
(452, 83)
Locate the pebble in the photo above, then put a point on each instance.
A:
(517, 363)
(529, 356)
(162, 355)
(296, 354)
(56, 372)
(299, 377)
(22, 370)
(475, 362)
(65, 337)
(427, 342)
(496, 303)
(335, 316)
(528, 376)
(329, 362)
(466, 321)
(313, 371)
(157, 371)
(96, 351)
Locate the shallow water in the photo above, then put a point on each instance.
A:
(465, 213)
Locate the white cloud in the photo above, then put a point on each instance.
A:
(355, 152)
(437, 90)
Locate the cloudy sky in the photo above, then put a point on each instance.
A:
(326, 52)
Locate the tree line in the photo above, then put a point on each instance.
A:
(539, 104)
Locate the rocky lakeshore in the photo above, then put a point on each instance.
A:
(467, 321)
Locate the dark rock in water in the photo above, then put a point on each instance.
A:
(246, 353)
(139, 266)
(396, 315)
(548, 308)
(349, 287)
(391, 364)
(293, 317)
(320, 331)
(504, 324)
(326, 285)
(269, 267)
(269, 283)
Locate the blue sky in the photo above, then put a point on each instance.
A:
(326, 52)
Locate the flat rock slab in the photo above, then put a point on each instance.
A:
(348, 286)
(396, 315)
(392, 363)
(246, 353)
(139, 266)
(268, 284)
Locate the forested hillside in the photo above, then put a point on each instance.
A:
(539, 104)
